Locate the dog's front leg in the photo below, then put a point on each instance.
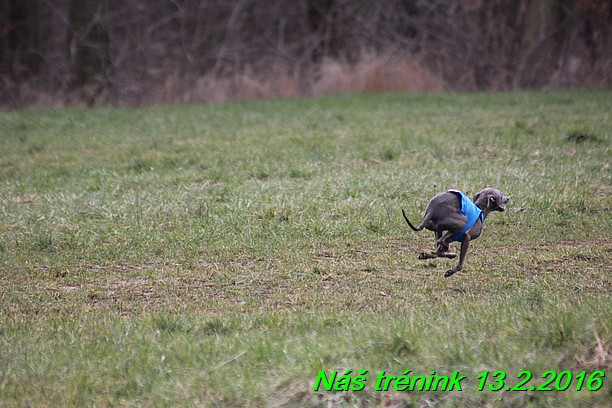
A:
(464, 248)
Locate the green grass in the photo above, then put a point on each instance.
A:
(225, 255)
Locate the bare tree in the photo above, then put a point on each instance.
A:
(91, 68)
(134, 52)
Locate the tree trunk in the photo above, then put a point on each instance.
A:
(88, 43)
(19, 40)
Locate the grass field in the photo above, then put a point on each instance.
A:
(227, 255)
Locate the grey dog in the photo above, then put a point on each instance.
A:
(452, 216)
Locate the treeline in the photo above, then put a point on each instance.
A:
(134, 52)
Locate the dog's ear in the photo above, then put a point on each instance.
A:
(476, 197)
(492, 200)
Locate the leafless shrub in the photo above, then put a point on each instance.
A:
(129, 52)
(375, 73)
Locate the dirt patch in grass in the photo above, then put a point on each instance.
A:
(597, 356)
(579, 136)
(130, 267)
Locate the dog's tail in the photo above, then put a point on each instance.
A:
(419, 228)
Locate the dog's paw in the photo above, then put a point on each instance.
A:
(449, 255)
(450, 272)
(424, 255)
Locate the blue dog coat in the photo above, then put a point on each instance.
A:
(471, 211)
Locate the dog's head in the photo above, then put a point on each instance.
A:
(491, 199)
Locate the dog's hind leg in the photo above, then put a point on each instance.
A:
(431, 255)
(443, 241)
(441, 249)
